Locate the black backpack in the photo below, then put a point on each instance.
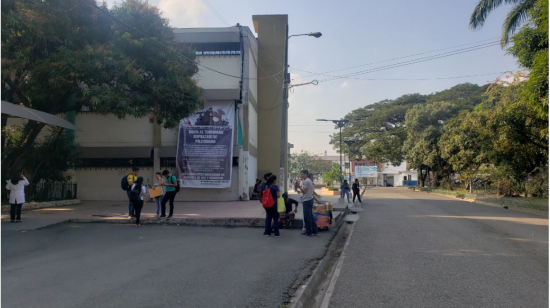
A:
(177, 182)
(124, 183)
(134, 194)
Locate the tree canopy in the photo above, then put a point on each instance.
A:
(60, 55)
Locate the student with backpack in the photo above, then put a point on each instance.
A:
(269, 202)
(137, 192)
(262, 187)
(126, 184)
(172, 188)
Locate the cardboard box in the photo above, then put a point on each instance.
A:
(155, 192)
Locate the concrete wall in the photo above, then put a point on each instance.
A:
(271, 31)
(227, 64)
(109, 131)
(103, 184)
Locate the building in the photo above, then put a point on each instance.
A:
(396, 176)
(109, 147)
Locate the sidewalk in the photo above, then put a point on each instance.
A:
(221, 214)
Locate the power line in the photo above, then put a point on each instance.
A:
(406, 63)
(169, 48)
(220, 17)
(402, 57)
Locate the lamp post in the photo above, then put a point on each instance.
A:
(340, 124)
(284, 122)
(349, 143)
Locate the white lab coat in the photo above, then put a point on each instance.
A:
(17, 191)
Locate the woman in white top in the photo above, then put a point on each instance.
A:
(16, 186)
(158, 200)
(138, 204)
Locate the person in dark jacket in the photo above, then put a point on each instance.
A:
(286, 219)
(356, 191)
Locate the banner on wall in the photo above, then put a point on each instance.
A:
(205, 147)
(366, 171)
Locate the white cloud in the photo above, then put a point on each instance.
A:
(344, 84)
(183, 14)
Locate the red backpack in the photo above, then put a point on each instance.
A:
(267, 198)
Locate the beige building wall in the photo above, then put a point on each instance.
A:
(271, 58)
(207, 79)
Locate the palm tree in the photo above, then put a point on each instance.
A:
(513, 21)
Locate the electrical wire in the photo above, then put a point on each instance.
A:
(410, 62)
(402, 57)
(230, 28)
(171, 49)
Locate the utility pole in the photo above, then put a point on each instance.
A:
(349, 143)
(284, 121)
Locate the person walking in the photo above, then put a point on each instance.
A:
(170, 183)
(356, 191)
(16, 186)
(286, 219)
(272, 216)
(345, 190)
(131, 178)
(158, 200)
(139, 191)
(307, 190)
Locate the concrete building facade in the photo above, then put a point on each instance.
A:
(108, 147)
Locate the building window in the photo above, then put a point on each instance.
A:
(217, 49)
(167, 162)
(113, 162)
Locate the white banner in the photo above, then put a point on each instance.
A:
(205, 147)
(366, 171)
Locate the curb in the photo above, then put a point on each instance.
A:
(511, 207)
(193, 222)
(42, 205)
(306, 288)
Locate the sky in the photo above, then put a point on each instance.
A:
(357, 33)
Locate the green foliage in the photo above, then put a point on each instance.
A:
(307, 161)
(531, 49)
(59, 55)
(333, 175)
(514, 19)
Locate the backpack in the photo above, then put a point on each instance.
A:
(134, 194)
(267, 198)
(124, 183)
(176, 182)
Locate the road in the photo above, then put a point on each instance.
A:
(413, 249)
(106, 265)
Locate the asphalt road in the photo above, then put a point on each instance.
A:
(412, 249)
(104, 265)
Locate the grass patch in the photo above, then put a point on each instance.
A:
(540, 204)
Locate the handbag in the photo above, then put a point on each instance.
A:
(281, 208)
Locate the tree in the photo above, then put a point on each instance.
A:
(530, 47)
(333, 175)
(513, 20)
(307, 161)
(381, 134)
(60, 55)
(425, 124)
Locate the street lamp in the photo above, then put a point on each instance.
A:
(284, 123)
(340, 124)
(349, 143)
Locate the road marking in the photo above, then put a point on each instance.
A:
(332, 284)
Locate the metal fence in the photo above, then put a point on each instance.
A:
(46, 191)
